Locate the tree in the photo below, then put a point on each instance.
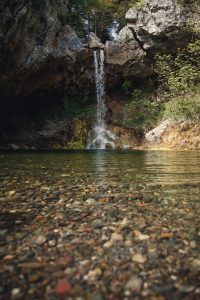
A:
(83, 15)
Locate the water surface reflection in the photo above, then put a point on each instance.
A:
(171, 173)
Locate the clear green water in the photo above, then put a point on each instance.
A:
(171, 174)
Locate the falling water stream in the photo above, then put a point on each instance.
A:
(100, 137)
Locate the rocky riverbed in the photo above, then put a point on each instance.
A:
(74, 232)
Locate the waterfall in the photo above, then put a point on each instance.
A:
(99, 137)
(113, 30)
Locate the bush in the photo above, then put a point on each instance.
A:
(142, 110)
(183, 109)
(89, 15)
(180, 73)
(127, 87)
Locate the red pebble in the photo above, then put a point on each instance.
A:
(63, 287)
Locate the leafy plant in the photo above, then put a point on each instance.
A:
(180, 73)
(183, 108)
(120, 7)
(97, 15)
(142, 110)
(127, 86)
(89, 15)
(77, 106)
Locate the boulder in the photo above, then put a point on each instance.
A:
(124, 49)
(156, 133)
(155, 27)
(95, 42)
(158, 25)
(125, 56)
(38, 51)
(125, 35)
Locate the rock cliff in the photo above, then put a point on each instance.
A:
(155, 27)
(37, 49)
(158, 25)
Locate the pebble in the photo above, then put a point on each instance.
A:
(165, 202)
(93, 274)
(41, 239)
(63, 287)
(124, 223)
(193, 244)
(107, 245)
(52, 243)
(196, 263)
(11, 193)
(139, 258)
(15, 292)
(128, 243)
(75, 237)
(140, 236)
(91, 201)
(116, 237)
(134, 284)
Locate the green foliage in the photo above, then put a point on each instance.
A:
(120, 7)
(66, 108)
(63, 16)
(180, 73)
(179, 79)
(78, 106)
(127, 86)
(74, 145)
(183, 109)
(79, 130)
(190, 3)
(89, 15)
(142, 110)
(97, 15)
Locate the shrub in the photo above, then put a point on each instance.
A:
(127, 87)
(183, 109)
(89, 15)
(142, 110)
(180, 73)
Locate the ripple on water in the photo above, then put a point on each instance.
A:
(171, 173)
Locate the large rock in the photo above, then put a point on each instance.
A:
(95, 42)
(155, 134)
(158, 25)
(124, 49)
(125, 56)
(38, 51)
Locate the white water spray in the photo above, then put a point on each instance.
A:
(113, 30)
(99, 136)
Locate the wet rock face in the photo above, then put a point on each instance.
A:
(37, 51)
(158, 25)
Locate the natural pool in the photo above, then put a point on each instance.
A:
(100, 224)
